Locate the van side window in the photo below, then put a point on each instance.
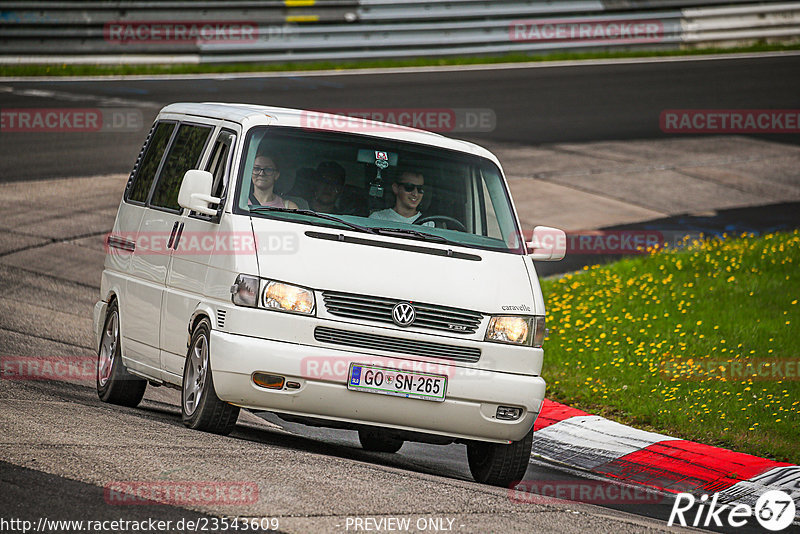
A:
(491, 224)
(183, 155)
(149, 164)
(218, 163)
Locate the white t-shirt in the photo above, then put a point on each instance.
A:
(390, 215)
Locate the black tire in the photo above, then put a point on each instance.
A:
(498, 464)
(115, 385)
(201, 409)
(377, 441)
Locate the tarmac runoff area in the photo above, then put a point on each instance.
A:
(601, 184)
(51, 257)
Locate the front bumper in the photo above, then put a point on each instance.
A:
(468, 411)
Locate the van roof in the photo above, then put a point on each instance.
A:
(252, 115)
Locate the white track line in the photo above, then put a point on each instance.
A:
(78, 97)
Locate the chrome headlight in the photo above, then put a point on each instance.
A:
(517, 330)
(269, 294)
(286, 297)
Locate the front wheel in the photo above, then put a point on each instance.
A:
(376, 441)
(115, 384)
(201, 409)
(498, 464)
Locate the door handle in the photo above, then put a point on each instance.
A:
(178, 236)
(172, 235)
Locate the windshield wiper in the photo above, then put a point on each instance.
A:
(401, 232)
(317, 214)
(407, 232)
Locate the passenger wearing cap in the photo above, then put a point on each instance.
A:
(408, 188)
(327, 188)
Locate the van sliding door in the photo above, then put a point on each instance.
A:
(158, 233)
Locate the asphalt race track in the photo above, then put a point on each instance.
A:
(63, 448)
(532, 106)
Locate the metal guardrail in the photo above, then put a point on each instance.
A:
(321, 30)
(387, 11)
(772, 23)
(446, 38)
(87, 14)
(390, 10)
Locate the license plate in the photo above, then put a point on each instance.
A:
(386, 381)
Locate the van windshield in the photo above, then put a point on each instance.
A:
(400, 189)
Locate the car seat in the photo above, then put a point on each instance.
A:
(286, 186)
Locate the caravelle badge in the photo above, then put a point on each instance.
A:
(403, 314)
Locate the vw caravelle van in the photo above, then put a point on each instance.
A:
(331, 270)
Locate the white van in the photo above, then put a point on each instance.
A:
(335, 271)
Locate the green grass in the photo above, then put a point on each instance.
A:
(154, 69)
(644, 341)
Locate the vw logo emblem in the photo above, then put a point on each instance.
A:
(403, 314)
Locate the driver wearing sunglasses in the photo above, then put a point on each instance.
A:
(408, 189)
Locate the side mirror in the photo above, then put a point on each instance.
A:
(547, 244)
(195, 192)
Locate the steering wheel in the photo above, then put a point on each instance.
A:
(444, 218)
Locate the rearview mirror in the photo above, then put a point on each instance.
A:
(195, 192)
(547, 244)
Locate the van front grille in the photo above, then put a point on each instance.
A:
(379, 309)
(394, 344)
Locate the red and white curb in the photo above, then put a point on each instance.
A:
(597, 445)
